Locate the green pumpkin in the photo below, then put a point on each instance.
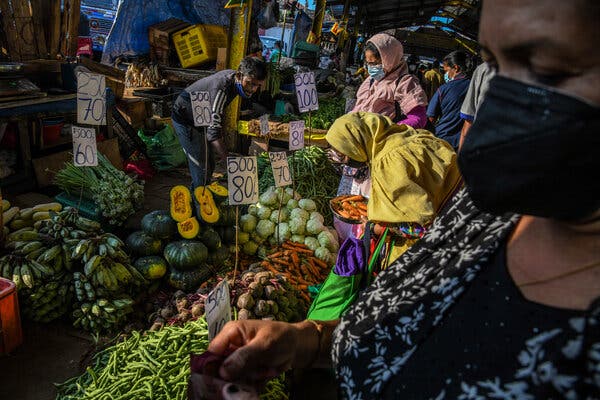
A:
(210, 238)
(218, 257)
(186, 255)
(188, 281)
(228, 235)
(159, 224)
(152, 267)
(142, 244)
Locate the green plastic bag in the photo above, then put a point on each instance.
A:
(335, 296)
(163, 148)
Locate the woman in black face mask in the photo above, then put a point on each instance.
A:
(501, 298)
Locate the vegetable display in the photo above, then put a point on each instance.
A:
(117, 195)
(314, 177)
(352, 208)
(153, 365)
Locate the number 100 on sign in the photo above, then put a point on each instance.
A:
(242, 180)
(306, 92)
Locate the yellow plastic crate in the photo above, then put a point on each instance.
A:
(198, 44)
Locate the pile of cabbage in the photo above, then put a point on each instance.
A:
(280, 215)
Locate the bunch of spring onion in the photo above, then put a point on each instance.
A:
(116, 194)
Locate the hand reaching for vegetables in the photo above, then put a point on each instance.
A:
(261, 350)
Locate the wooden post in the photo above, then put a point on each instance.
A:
(10, 29)
(70, 27)
(53, 28)
(39, 9)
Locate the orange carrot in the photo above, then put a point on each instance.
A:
(319, 262)
(295, 258)
(286, 245)
(276, 254)
(356, 197)
(296, 244)
(361, 206)
(281, 261)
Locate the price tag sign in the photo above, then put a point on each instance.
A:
(306, 92)
(281, 168)
(201, 110)
(91, 99)
(85, 152)
(242, 180)
(218, 309)
(296, 139)
(264, 125)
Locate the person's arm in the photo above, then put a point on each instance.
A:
(433, 109)
(463, 132)
(213, 132)
(417, 117)
(258, 350)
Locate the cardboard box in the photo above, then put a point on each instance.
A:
(221, 59)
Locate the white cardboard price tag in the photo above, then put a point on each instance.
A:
(242, 180)
(201, 108)
(296, 139)
(264, 125)
(91, 99)
(218, 309)
(85, 152)
(306, 92)
(281, 168)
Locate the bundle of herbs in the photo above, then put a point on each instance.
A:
(116, 194)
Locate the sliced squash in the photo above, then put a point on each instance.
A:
(220, 192)
(181, 203)
(209, 212)
(189, 228)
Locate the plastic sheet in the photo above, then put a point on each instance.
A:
(129, 34)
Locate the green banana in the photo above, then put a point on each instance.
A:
(31, 246)
(90, 251)
(51, 254)
(24, 234)
(16, 276)
(121, 273)
(102, 249)
(26, 276)
(80, 249)
(92, 264)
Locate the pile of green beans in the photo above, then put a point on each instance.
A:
(153, 365)
(313, 175)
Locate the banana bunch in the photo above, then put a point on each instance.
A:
(102, 314)
(24, 272)
(48, 301)
(106, 244)
(104, 272)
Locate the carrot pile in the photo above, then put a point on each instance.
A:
(299, 266)
(353, 207)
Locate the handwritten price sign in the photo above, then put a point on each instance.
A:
(296, 139)
(218, 309)
(242, 180)
(281, 168)
(264, 125)
(85, 152)
(91, 99)
(306, 92)
(201, 108)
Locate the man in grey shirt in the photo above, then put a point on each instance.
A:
(477, 89)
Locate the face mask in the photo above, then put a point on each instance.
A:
(533, 151)
(412, 68)
(446, 77)
(376, 72)
(240, 90)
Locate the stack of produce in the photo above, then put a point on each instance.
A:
(117, 195)
(313, 174)
(69, 254)
(177, 308)
(267, 225)
(15, 218)
(153, 365)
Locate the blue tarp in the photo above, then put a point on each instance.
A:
(129, 34)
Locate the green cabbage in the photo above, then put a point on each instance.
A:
(276, 214)
(297, 226)
(316, 215)
(326, 239)
(252, 209)
(299, 213)
(282, 232)
(263, 212)
(250, 248)
(291, 204)
(298, 238)
(269, 198)
(322, 253)
(314, 227)
(265, 228)
(307, 204)
(248, 223)
(311, 242)
(243, 237)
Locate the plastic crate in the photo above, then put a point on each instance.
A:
(87, 208)
(11, 334)
(199, 43)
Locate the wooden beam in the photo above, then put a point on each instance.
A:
(10, 30)
(70, 27)
(53, 30)
(38, 12)
(103, 69)
(25, 30)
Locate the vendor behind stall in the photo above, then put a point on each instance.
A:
(223, 87)
(412, 171)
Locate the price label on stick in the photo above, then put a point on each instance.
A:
(296, 139)
(281, 168)
(85, 152)
(264, 125)
(242, 180)
(306, 92)
(218, 309)
(201, 110)
(91, 99)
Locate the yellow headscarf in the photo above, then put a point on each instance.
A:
(412, 171)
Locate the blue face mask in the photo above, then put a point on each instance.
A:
(376, 72)
(447, 78)
(240, 89)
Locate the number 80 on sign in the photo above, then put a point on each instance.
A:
(242, 180)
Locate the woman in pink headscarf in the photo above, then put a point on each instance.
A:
(390, 90)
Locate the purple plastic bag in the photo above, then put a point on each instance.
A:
(351, 258)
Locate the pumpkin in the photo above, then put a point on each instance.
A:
(188, 281)
(181, 203)
(209, 212)
(151, 267)
(141, 244)
(185, 255)
(227, 216)
(211, 239)
(228, 235)
(159, 224)
(189, 228)
(218, 257)
(220, 192)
